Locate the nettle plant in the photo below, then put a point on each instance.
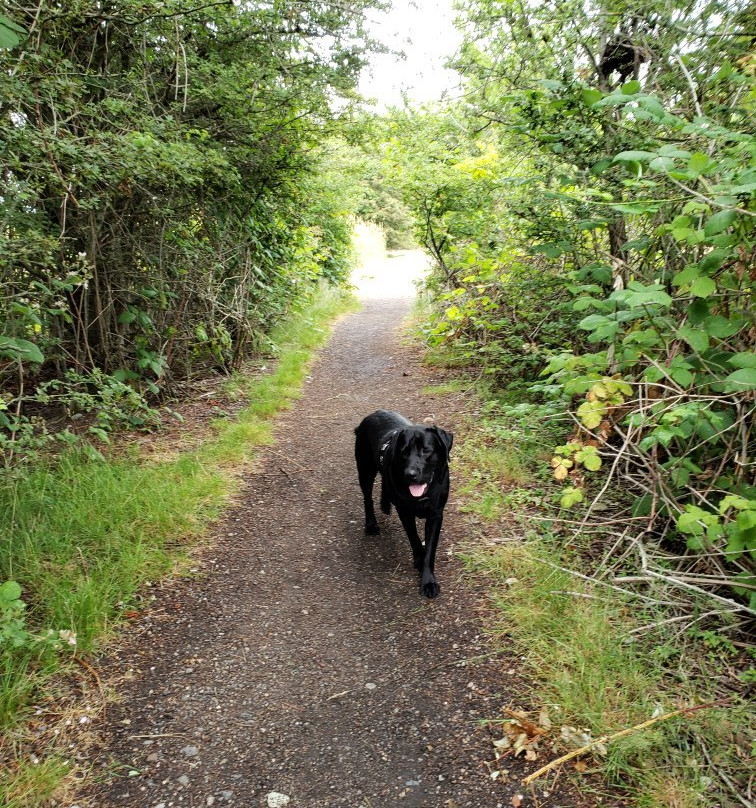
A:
(668, 397)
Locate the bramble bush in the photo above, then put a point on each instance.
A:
(590, 209)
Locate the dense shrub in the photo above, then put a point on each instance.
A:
(592, 221)
(164, 198)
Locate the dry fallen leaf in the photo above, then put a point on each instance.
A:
(578, 738)
(581, 766)
(521, 736)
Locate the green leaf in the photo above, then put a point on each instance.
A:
(631, 87)
(685, 276)
(688, 522)
(697, 339)
(646, 296)
(591, 413)
(698, 311)
(746, 359)
(723, 72)
(590, 96)
(662, 163)
(674, 151)
(592, 462)
(552, 249)
(635, 208)
(694, 543)
(694, 519)
(570, 497)
(634, 156)
(741, 380)
(719, 222)
(681, 376)
(722, 327)
(642, 506)
(593, 321)
(9, 591)
(20, 349)
(10, 33)
(703, 287)
(734, 501)
(713, 260)
(698, 163)
(601, 166)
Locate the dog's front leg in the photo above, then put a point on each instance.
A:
(428, 585)
(367, 478)
(410, 528)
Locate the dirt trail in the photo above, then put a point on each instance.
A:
(303, 660)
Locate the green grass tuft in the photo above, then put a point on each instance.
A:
(33, 785)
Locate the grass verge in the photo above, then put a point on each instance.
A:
(83, 534)
(595, 668)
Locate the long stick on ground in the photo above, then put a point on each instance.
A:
(607, 738)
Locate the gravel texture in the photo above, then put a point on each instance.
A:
(301, 666)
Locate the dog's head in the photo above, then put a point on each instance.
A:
(420, 453)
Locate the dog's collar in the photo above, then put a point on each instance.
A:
(384, 447)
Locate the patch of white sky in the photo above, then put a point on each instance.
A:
(420, 36)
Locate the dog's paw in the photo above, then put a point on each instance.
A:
(372, 529)
(430, 589)
(386, 506)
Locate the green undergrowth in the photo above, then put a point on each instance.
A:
(84, 534)
(590, 667)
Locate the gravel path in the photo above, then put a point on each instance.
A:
(302, 660)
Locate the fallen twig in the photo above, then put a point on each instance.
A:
(673, 581)
(158, 735)
(588, 578)
(732, 788)
(676, 619)
(604, 739)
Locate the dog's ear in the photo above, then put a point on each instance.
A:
(446, 438)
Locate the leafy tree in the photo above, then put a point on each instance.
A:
(163, 190)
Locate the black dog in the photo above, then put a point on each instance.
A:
(414, 468)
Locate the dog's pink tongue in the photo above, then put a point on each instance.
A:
(418, 490)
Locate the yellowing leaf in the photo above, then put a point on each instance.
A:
(560, 473)
(591, 413)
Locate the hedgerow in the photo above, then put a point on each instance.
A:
(164, 196)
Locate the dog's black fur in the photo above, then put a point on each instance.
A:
(406, 456)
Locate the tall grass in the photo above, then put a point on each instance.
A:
(83, 534)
